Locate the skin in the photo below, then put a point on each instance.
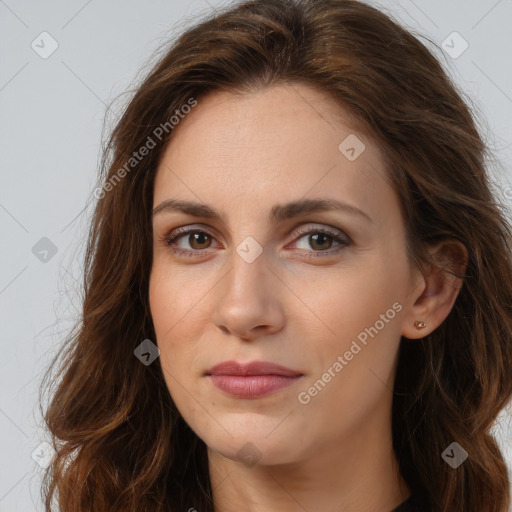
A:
(243, 154)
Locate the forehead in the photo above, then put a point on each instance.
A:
(286, 142)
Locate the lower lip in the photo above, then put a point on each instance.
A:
(251, 386)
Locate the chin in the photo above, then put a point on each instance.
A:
(254, 447)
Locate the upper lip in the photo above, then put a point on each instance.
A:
(252, 368)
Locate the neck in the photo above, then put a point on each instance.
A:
(359, 474)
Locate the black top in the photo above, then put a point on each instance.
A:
(414, 503)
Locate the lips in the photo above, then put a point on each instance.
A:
(253, 368)
(251, 380)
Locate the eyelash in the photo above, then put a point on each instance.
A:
(301, 232)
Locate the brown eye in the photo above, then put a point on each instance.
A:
(194, 242)
(320, 241)
(198, 239)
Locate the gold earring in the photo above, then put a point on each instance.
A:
(420, 325)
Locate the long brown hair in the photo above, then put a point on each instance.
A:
(121, 443)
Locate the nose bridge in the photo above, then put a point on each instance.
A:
(248, 260)
(246, 299)
(248, 268)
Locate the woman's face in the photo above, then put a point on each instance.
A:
(320, 291)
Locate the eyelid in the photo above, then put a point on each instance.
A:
(336, 234)
(301, 229)
(188, 229)
(321, 228)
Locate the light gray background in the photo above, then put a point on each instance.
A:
(52, 113)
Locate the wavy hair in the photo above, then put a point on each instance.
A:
(120, 442)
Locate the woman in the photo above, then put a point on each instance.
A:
(298, 285)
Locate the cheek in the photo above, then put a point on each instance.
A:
(166, 313)
(360, 315)
(358, 312)
(179, 311)
(173, 300)
(348, 300)
(163, 292)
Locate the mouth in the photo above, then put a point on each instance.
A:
(252, 380)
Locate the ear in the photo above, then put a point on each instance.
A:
(435, 291)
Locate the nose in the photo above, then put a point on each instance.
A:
(249, 299)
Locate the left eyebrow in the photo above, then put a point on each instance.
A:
(296, 208)
(278, 213)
